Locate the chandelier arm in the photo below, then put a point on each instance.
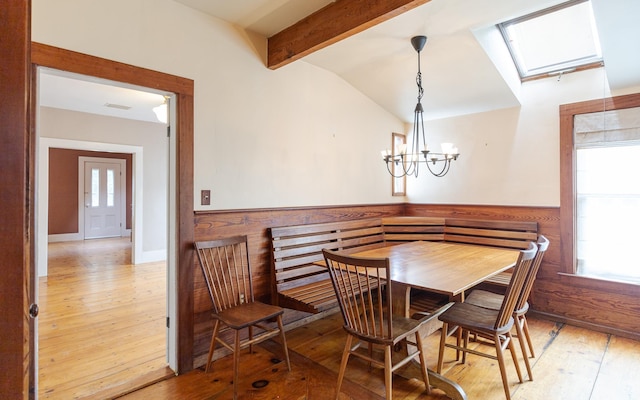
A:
(390, 161)
(409, 166)
(424, 139)
(390, 171)
(443, 171)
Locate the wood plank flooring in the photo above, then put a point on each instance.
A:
(101, 326)
(571, 364)
(83, 355)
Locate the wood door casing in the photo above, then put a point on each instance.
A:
(16, 213)
(66, 60)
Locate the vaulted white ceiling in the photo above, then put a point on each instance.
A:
(464, 63)
(465, 66)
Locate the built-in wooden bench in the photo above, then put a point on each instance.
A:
(409, 229)
(495, 233)
(300, 278)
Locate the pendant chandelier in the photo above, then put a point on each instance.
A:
(405, 162)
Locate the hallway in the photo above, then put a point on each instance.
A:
(102, 321)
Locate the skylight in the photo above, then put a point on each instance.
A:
(555, 40)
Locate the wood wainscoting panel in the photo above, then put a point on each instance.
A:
(596, 304)
(255, 224)
(599, 310)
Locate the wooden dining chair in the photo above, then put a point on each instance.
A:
(368, 318)
(494, 325)
(487, 299)
(226, 268)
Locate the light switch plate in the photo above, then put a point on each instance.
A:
(205, 197)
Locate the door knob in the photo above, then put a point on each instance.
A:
(33, 310)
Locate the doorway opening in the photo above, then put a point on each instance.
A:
(152, 191)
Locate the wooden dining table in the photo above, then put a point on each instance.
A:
(440, 267)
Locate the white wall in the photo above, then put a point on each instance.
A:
(300, 135)
(152, 137)
(509, 156)
(292, 137)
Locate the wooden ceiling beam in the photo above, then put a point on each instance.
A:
(336, 21)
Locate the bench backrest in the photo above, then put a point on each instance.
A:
(297, 250)
(409, 229)
(507, 234)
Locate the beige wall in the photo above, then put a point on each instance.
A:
(63, 188)
(292, 137)
(150, 137)
(510, 156)
(300, 135)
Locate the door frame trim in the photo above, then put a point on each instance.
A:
(42, 185)
(66, 60)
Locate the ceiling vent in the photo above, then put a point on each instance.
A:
(118, 106)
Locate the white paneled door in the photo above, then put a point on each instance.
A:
(102, 199)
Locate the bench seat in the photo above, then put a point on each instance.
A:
(314, 297)
(410, 229)
(300, 278)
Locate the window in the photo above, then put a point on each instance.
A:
(555, 40)
(95, 187)
(110, 187)
(608, 194)
(595, 195)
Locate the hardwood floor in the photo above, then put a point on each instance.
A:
(102, 334)
(571, 364)
(102, 321)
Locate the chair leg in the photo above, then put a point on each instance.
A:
(343, 363)
(525, 329)
(212, 346)
(443, 340)
(388, 367)
(236, 362)
(512, 349)
(503, 370)
(458, 339)
(465, 344)
(523, 347)
(284, 342)
(423, 363)
(370, 349)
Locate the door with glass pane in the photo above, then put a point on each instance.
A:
(102, 214)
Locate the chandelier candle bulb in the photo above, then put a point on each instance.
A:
(447, 148)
